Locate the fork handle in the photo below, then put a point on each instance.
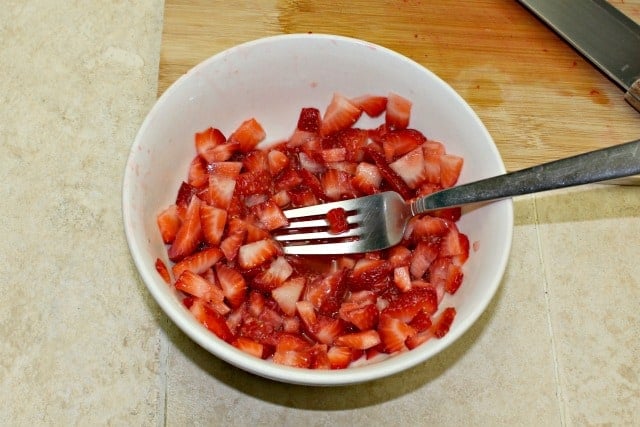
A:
(600, 165)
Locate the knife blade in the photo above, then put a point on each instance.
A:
(600, 32)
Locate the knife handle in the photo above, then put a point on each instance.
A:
(633, 95)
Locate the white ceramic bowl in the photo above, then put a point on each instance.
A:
(271, 79)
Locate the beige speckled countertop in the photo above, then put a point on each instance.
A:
(83, 343)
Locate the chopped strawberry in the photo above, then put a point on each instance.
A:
(319, 357)
(274, 276)
(281, 198)
(367, 178)
(256, 303)
(270, 215)
(211, 320)
(336, 184)
(432, 168)
(199, 262)
(409, 303)
(388, 174)
(450, 167)
(402, 278)
(190, 233)
(337, 219)
(393, 333)
(359, 340)
(398, 111)
(233, 285)
(428, 227)
(163, 271)
(212, 221)
(332, 155)
(277, 161)
(301, 137)
(309, 120)
(372, 105)
(443, 321)
(399, 256)
(198, 175)
(183, 198)
(327, 329)
(292, 351)
(288, 180)
(221, 153)
(421, 321)
(249, 346)
(302, 197)
(222, 182)
(326, 293)
(255, 233)
(311, 160)
(288, 293)
(423, 255)
(248, 135)
(410, 168)
(362, 317)
(207, 140)
(256, 161)
(353, 140)
(455, 244)
(197, 286)
(340, 114)
(368, 272)
(340, 356)
(230, 245)
(169, 223)
(399, 142)
(254, 254)
(433, 147)
(249, 183)
(443, 272)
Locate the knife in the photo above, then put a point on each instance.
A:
(601, 33)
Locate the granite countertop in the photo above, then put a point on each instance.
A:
(83, 343)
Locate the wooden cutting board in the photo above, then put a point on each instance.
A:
(539, 99)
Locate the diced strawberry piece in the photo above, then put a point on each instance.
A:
(274, 276)
(277, 161)
(302, 197)
(433, 147)
(221, 153)
(340, 114)
(450, 167)
(338, 154)
(293, 351)
(288, 293)
(319, 357)
(361, 298)
(199, 262)
(249, 346)
(327, 329)
(212, 221)
(336, 184)
(211, 320)
(340, 357)
(372, 105)
(198, 176)
(337, 219)
(301, 137)
(399, 256)
(254, 254)
(393, 333)
(281, 198)
(197, 286)
(443, 322)
(270, 215)
(256, 161)
(231, 244)
(222, 182)
(423, 255)
(190, 233)
(183, 198)
(250, 183)
(208, 139)
(309, 120)
(402, 278)
(169, 223)
(409, 303)
(353, 140)
(288, 180)
(233, 285)
(256, 303)
(248, 135)
(443, 272)
(421, 321)
(400, 142)
(455, 244)
(362, 317)
(359, 340)
(388, 174)
(410, 168)
(162, 270)
(367, 178)
(432, 168)
(291, 324)
(368, 272)
(255, 233)
(311, 160)
(428, 227)
(326, 292)
(398, 111)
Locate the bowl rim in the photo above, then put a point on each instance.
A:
(264, 368)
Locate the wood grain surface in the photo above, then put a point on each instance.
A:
(539, 99)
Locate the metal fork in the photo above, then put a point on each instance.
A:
(378, 221)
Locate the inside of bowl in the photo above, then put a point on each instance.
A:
(272, 79)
